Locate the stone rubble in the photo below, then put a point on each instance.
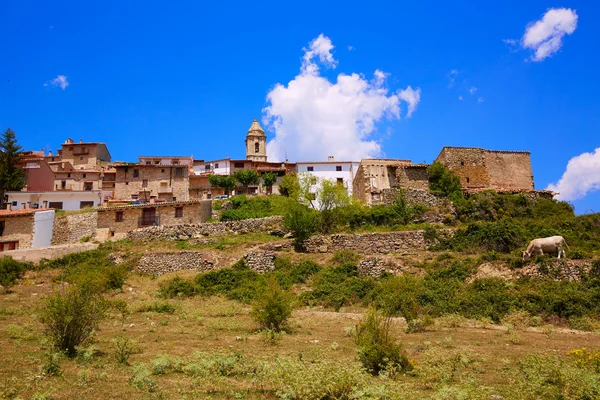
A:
(260, 261)
(375, 266)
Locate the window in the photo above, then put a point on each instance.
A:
(468, 179)
(209, 196)
(145, 183)
(310, 169)
(84, 204)
(256, 147)
(217, 165)
(239, 165)
(178, 212)
(338, 168)
(112, 233)
(127, 183)
(175, 162)
(56, 205)
(69, 175)
(156, 162)
(136, 173)
(207, 167)
(174, 198)
(148, 162)
(340, 181)
(63, 184)
(1, 227)
(462, 163)
(135, 197)
(119, 216)
(179, 172)
(313, 180)
(80, 158)
(14, 203)
(88, 186)
(162, 171)
(84, 175)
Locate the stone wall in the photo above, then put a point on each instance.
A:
(509, 170)
(186, 231)
(558, 269)
(412, 176)
(260, 261)
(72, 228)
(18, 229)
(413, 196)
(372, 243)
(162, 263)
(468, 164)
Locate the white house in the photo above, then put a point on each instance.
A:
(342, 172)
(218, 167)
(67, 200)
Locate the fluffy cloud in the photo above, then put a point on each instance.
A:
(581, 177)
(59, 81)
(545, 36)
(313, 117)
(452, 76)
(472, 90)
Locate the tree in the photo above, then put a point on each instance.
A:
(333, 198)
(289, 186)
(247, 177)
(273, 307)
(444, 181)
(269, 179)
(302, 222)
(225, 182)
(12, 176)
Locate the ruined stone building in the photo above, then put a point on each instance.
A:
(489, 169)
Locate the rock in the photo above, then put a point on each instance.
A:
(322, 249)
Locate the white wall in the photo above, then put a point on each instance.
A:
(43, 224)
(70, 200)
(327, 170)
(223, 167)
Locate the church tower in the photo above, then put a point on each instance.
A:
(256, 143)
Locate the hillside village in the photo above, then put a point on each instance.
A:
(169, 190)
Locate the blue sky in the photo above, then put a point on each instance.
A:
(186, 77)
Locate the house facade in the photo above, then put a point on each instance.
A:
(25, 228)
(340, 172)
(67, 200)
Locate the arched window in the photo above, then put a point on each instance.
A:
(256, 147)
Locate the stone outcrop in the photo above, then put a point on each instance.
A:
(164, 262)
(187, 231)
(260, 261)
(72, 228)
(377, 265)
(373, 243)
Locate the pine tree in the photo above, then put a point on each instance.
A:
(12, 176)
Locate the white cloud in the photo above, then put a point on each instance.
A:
(472, 90)
(350, 48)
(480, 100)
(460, 97)
(313, 117)
(545, 36)
(452, 76)
(59, 81)
(510, 42)
(581, 177)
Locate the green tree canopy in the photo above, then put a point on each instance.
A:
(444, 181)
(269, 179)
(225, 182)
(289, 186)
(12, 176)
(247, 177)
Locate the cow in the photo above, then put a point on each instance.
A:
(553, 244)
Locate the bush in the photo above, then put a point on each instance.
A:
(376, 348)
(178, 287)
(272, 309)
(302, 222)
(240, 283)
(158, 307)
(70, 318)
(345, 257)
(288, 274)
(11, 270)
(444, 181)
(491, 236)
(51, 366)
(124, 348)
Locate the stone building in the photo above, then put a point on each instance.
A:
(85, 155)
(39, 176)
(114, 222)
(25, 228)
(256, 143)
(489, 169)
(373, 176)
(144, 182)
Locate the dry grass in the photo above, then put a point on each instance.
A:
(218, 335)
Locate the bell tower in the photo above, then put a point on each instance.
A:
(256, 143)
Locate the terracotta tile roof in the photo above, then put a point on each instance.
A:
(21, 212)
(146, 205)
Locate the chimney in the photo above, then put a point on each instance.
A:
(330, 158)
(45, 204)
(152, 200)
(9, 206)
(80, 141)
(50, 153)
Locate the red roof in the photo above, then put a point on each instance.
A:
(21, 212)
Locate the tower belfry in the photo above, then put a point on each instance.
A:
(256, 143)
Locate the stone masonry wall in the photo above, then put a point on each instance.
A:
(469, 164)
(186, 231)
(18, 228)
(73, 227)
(414, 177)
(372, 243)
(509, 170)
(160, 180)
(163, 263)
(413, 196)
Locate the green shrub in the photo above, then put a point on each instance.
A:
(51, 366)
(345, 257)
(158, 307)
(302, 222)
(487, 236)
(178, 287)
(288, 274)
(141, 378)
(240, 284)
(376, 348)
(272, 308)
(444, 181)
(11, 270)
(71, 317)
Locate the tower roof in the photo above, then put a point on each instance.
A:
(255, 129)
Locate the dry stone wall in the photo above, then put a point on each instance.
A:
(260, 261)
(72, 228)
(373, 243)
(162, 263)
(186, 231)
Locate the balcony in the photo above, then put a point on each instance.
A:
(148, 220)
(81, 152)
(165, 189)
(65, 187)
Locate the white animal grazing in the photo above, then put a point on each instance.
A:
(552, 244)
